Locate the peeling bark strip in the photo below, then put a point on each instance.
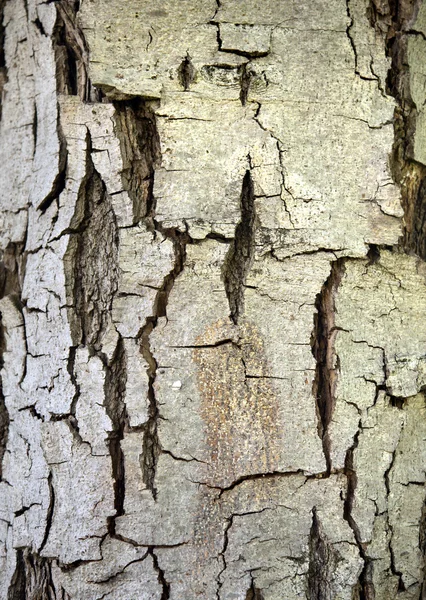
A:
(72, 54)
(17, 586)
(140, 152)
(322, 343)
(394, 21)
(364, 583)
(114, 388)
(240, 255)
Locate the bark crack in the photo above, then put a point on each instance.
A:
(165, 586)
(327, 363)
(151, 449)
(323, 560)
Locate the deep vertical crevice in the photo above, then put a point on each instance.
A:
(323, 560)
(393, 569)
(365, 587)
(4, 414)
(165, 586)
(246, 76)
(422, 546)
(322, 343)
(51, 508)
(140, 151)
(114, 389)
(93, 251)
(136, 129)
(240, 255)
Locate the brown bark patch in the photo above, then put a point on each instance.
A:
(239, 404)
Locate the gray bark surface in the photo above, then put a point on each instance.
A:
(212, 298)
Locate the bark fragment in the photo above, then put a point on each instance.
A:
(72, 54)
(394, 21)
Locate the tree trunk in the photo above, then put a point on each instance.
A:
(213, 343)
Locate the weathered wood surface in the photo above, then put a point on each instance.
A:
(213, 304)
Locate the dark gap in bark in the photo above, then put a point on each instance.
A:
(60, 179)
(322, 344)
(93, 251)
(393, 569)
(165, 586)
(373, 254)
(323, 560)
(253, 593)
(186, 73)
(140, 151)
(39, 26)
(397, 401)
(114, 388)
(393, 19)
(4, 415)
(240, 254)
(35, 125)
(365, 586)
(422, 546)
(246, 76)
(51, 508)
(17, 586)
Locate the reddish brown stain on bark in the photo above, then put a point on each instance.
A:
(238, 403)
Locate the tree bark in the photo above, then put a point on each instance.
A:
(213, 343)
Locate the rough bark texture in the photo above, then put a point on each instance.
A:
(212, 297)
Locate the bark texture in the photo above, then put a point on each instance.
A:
(212, 297)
